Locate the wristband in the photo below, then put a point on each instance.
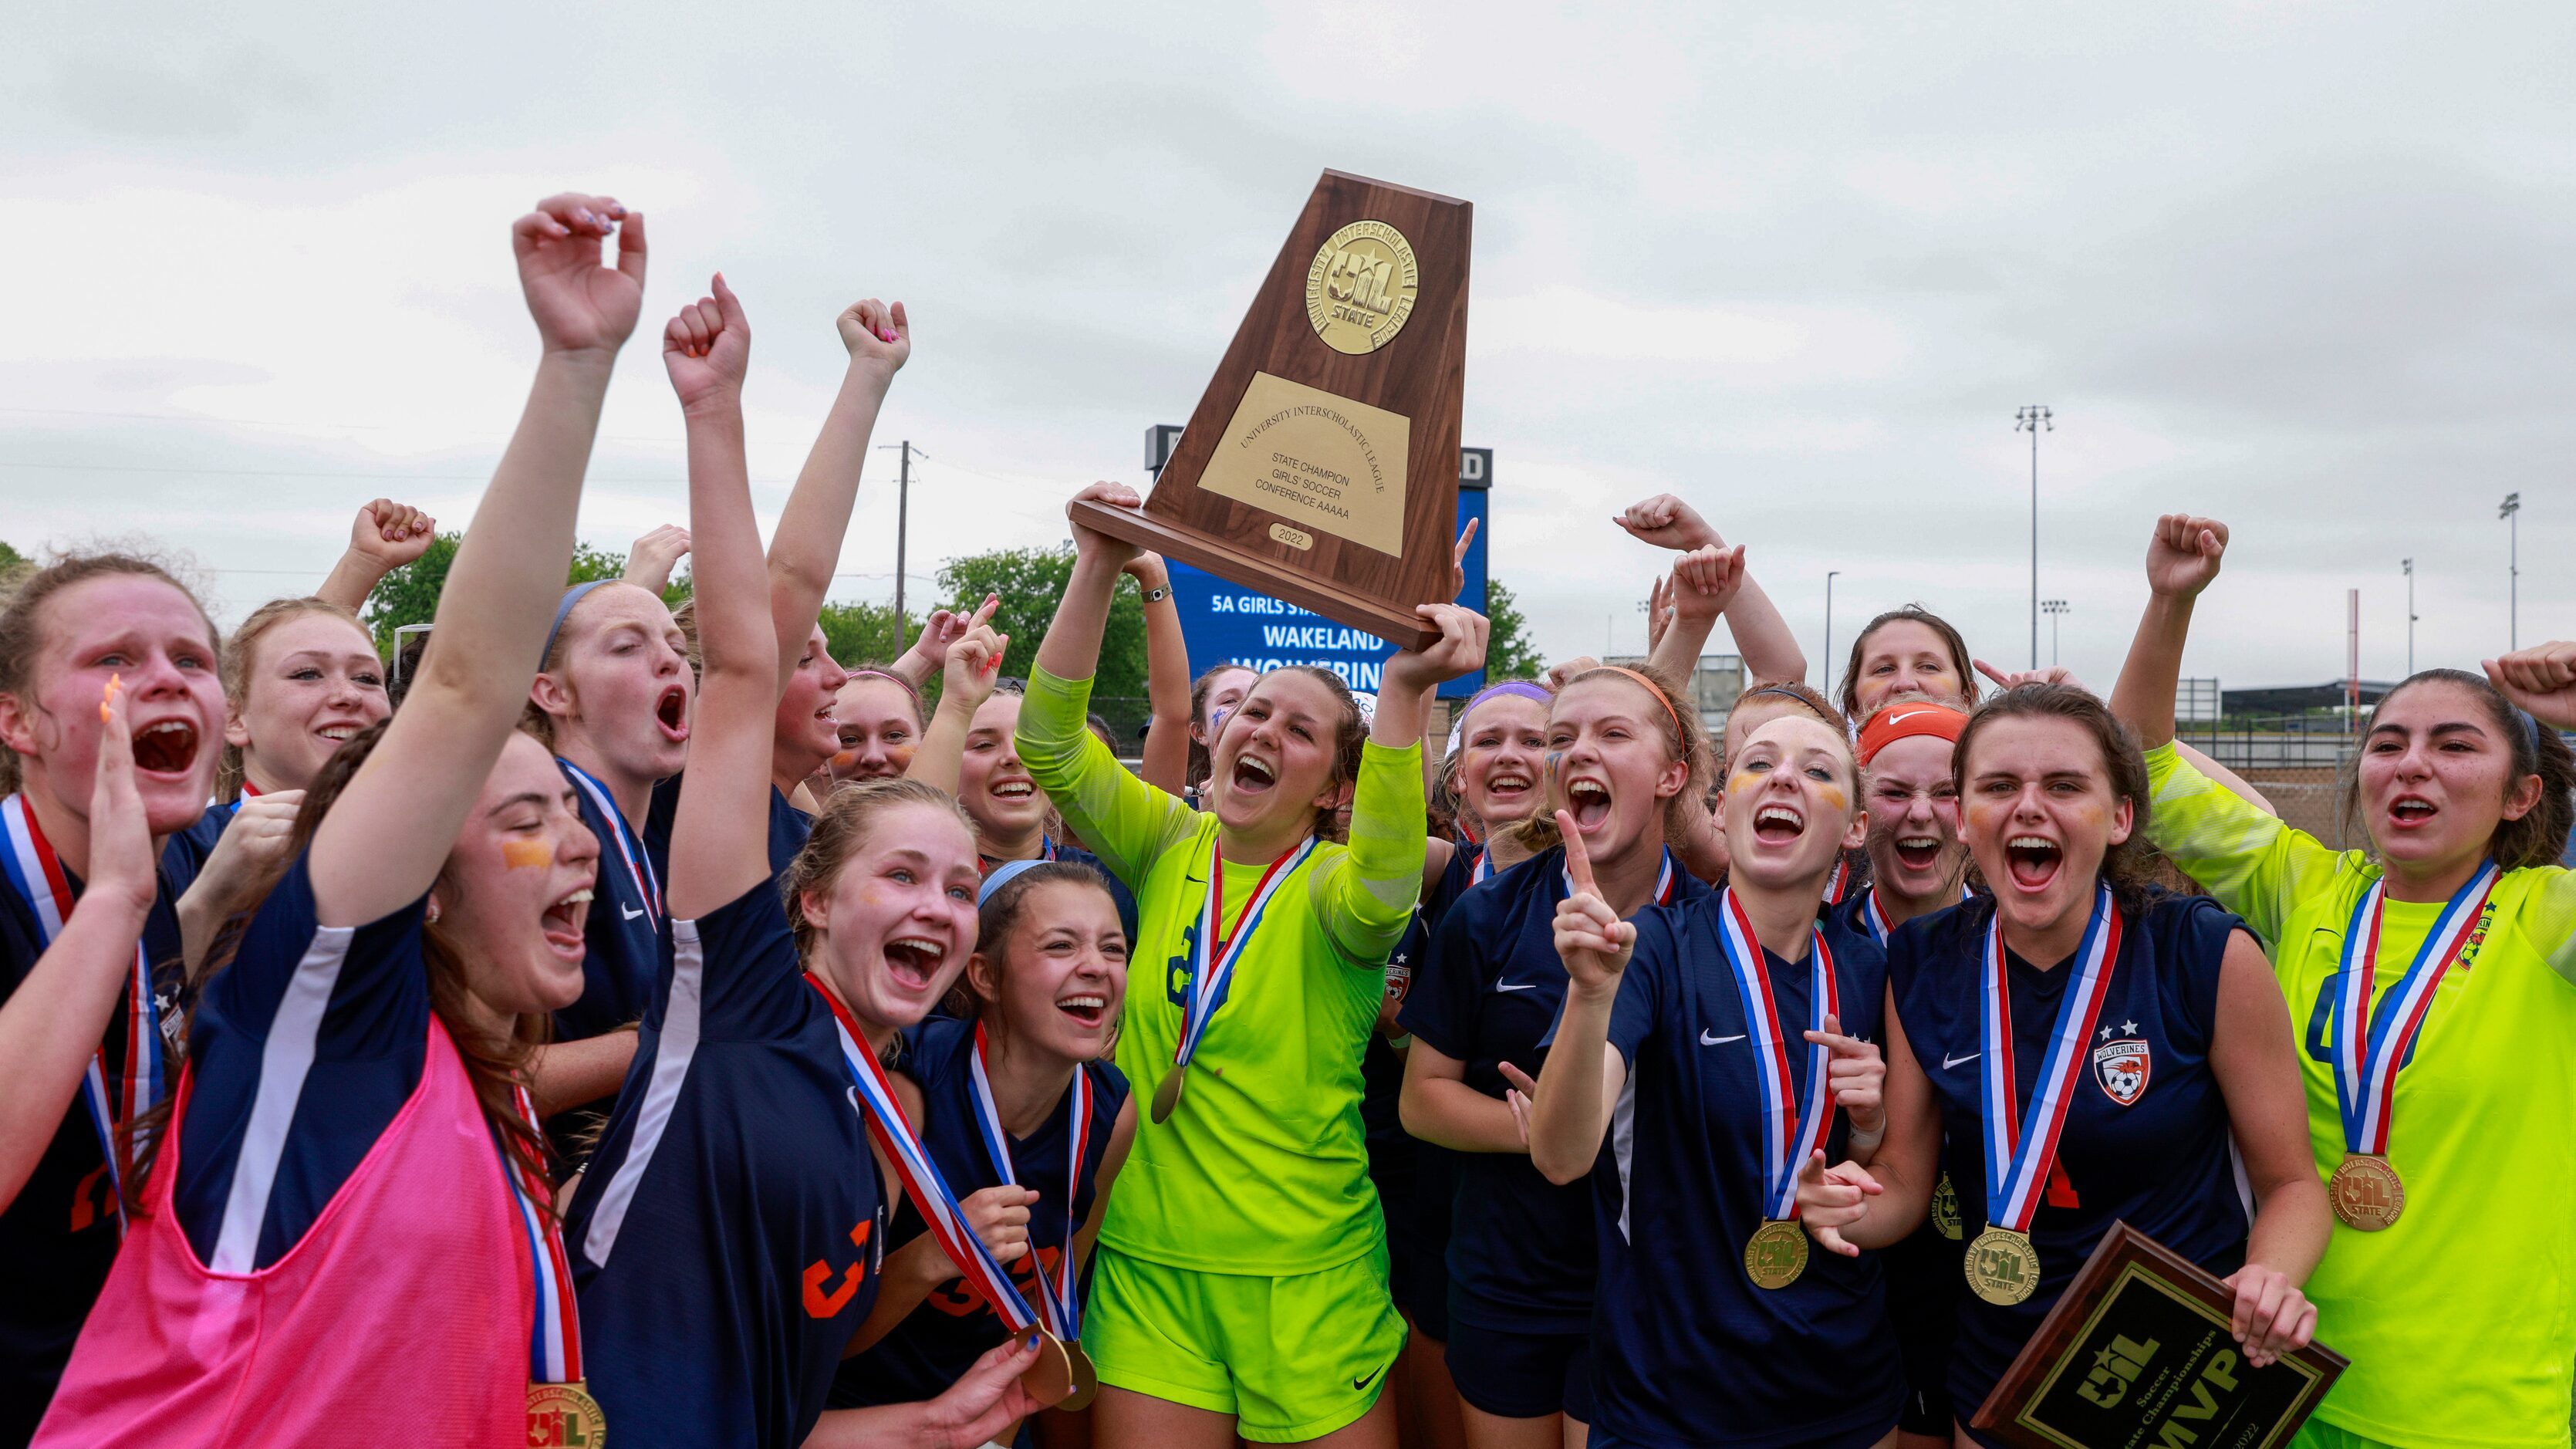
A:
(1156, 596)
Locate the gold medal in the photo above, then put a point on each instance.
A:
(2002, 1266)
(1776, 1254)
(1167, 1094)
(565, 1416)
(1360, 288)
(1086, 1378)
(1945, 1210)
(1050, 1379)
(2366, 1192)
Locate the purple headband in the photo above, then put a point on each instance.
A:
(1525, 689)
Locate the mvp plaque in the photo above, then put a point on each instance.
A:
(1321, 465)
(2137, 1355)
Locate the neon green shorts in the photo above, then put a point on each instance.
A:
(2318, 1434)
(1291, 1358)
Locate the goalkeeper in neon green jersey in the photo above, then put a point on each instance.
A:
(1240, 1281)
(2434, 981)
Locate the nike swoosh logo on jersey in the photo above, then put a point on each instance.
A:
(634, 914)
(1360, 1384)
(1948, 1061)
(1706, 1040)
(1516, 986)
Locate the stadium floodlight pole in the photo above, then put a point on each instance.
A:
(902, 527)
(2409, 566)
(1830, 576)
(2055, 609)
(2511, 512)
(2034, 420)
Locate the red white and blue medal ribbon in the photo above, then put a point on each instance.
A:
(894, 1136)
(1840, 884)
(1211, 969)
(1790, 1130)
(1483, 869)
(554, 1340)
(2370, 1046)
(1058, 1302)
(639, 864)
(2020, 1147)
(1665, 881)
(38, 876)
(1873, 917)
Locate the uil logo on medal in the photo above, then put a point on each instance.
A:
(2121, 1068)
(1360, 289)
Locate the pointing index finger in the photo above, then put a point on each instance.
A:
(1578, 861)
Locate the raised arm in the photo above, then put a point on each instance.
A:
(1704, 583)
(650, 562)
(2182, 558)
(1166, 760)
(1582, 1079)
(966, 683)
(1762, 637)
(807, 546)
(720, 834)
(1125, 821)
(384, 841)
(51, 1023)
(384, 536)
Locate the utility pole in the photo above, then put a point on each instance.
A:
(2034, 420)
(1830, 575)
(2511, 513)
(902, 528)
(2409, 566)
(2351, 658)
(2055, 609)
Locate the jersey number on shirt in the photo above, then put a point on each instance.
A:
(823, 1303)
(957, 1300)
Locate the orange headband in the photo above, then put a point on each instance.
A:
(1900, 721)
(1680, 736)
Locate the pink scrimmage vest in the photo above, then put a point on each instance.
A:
(402, 1317)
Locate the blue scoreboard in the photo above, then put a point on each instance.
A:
(1226, 623)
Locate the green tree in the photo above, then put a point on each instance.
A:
(409, 595)
(1031, 584)
(864, 633)
(10, 559)
(1509, 653)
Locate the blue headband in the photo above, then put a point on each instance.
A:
(571, 597)
(2531, 727)
(1001, 875)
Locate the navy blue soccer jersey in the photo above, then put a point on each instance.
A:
(624, 929)
(788, 827)
(942, 1338)
(1685, 1348)
(1521, 1248)
(727, 1234)
(198, 841)
(2147, 1137)
(1382, 1066)
(301, 1051)
(58, 1236)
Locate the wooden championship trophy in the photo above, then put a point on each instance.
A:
(2137, 1352)
(1321, 465)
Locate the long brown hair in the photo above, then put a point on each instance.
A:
(22, 622)
(2129, 866)
(1910, 614)
(496, 1070)
(2540, 836)
(1685, 739)
(848, 821)
(241, 651)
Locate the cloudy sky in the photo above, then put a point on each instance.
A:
(2303, 266)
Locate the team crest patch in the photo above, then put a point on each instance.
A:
(2122, 1067)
